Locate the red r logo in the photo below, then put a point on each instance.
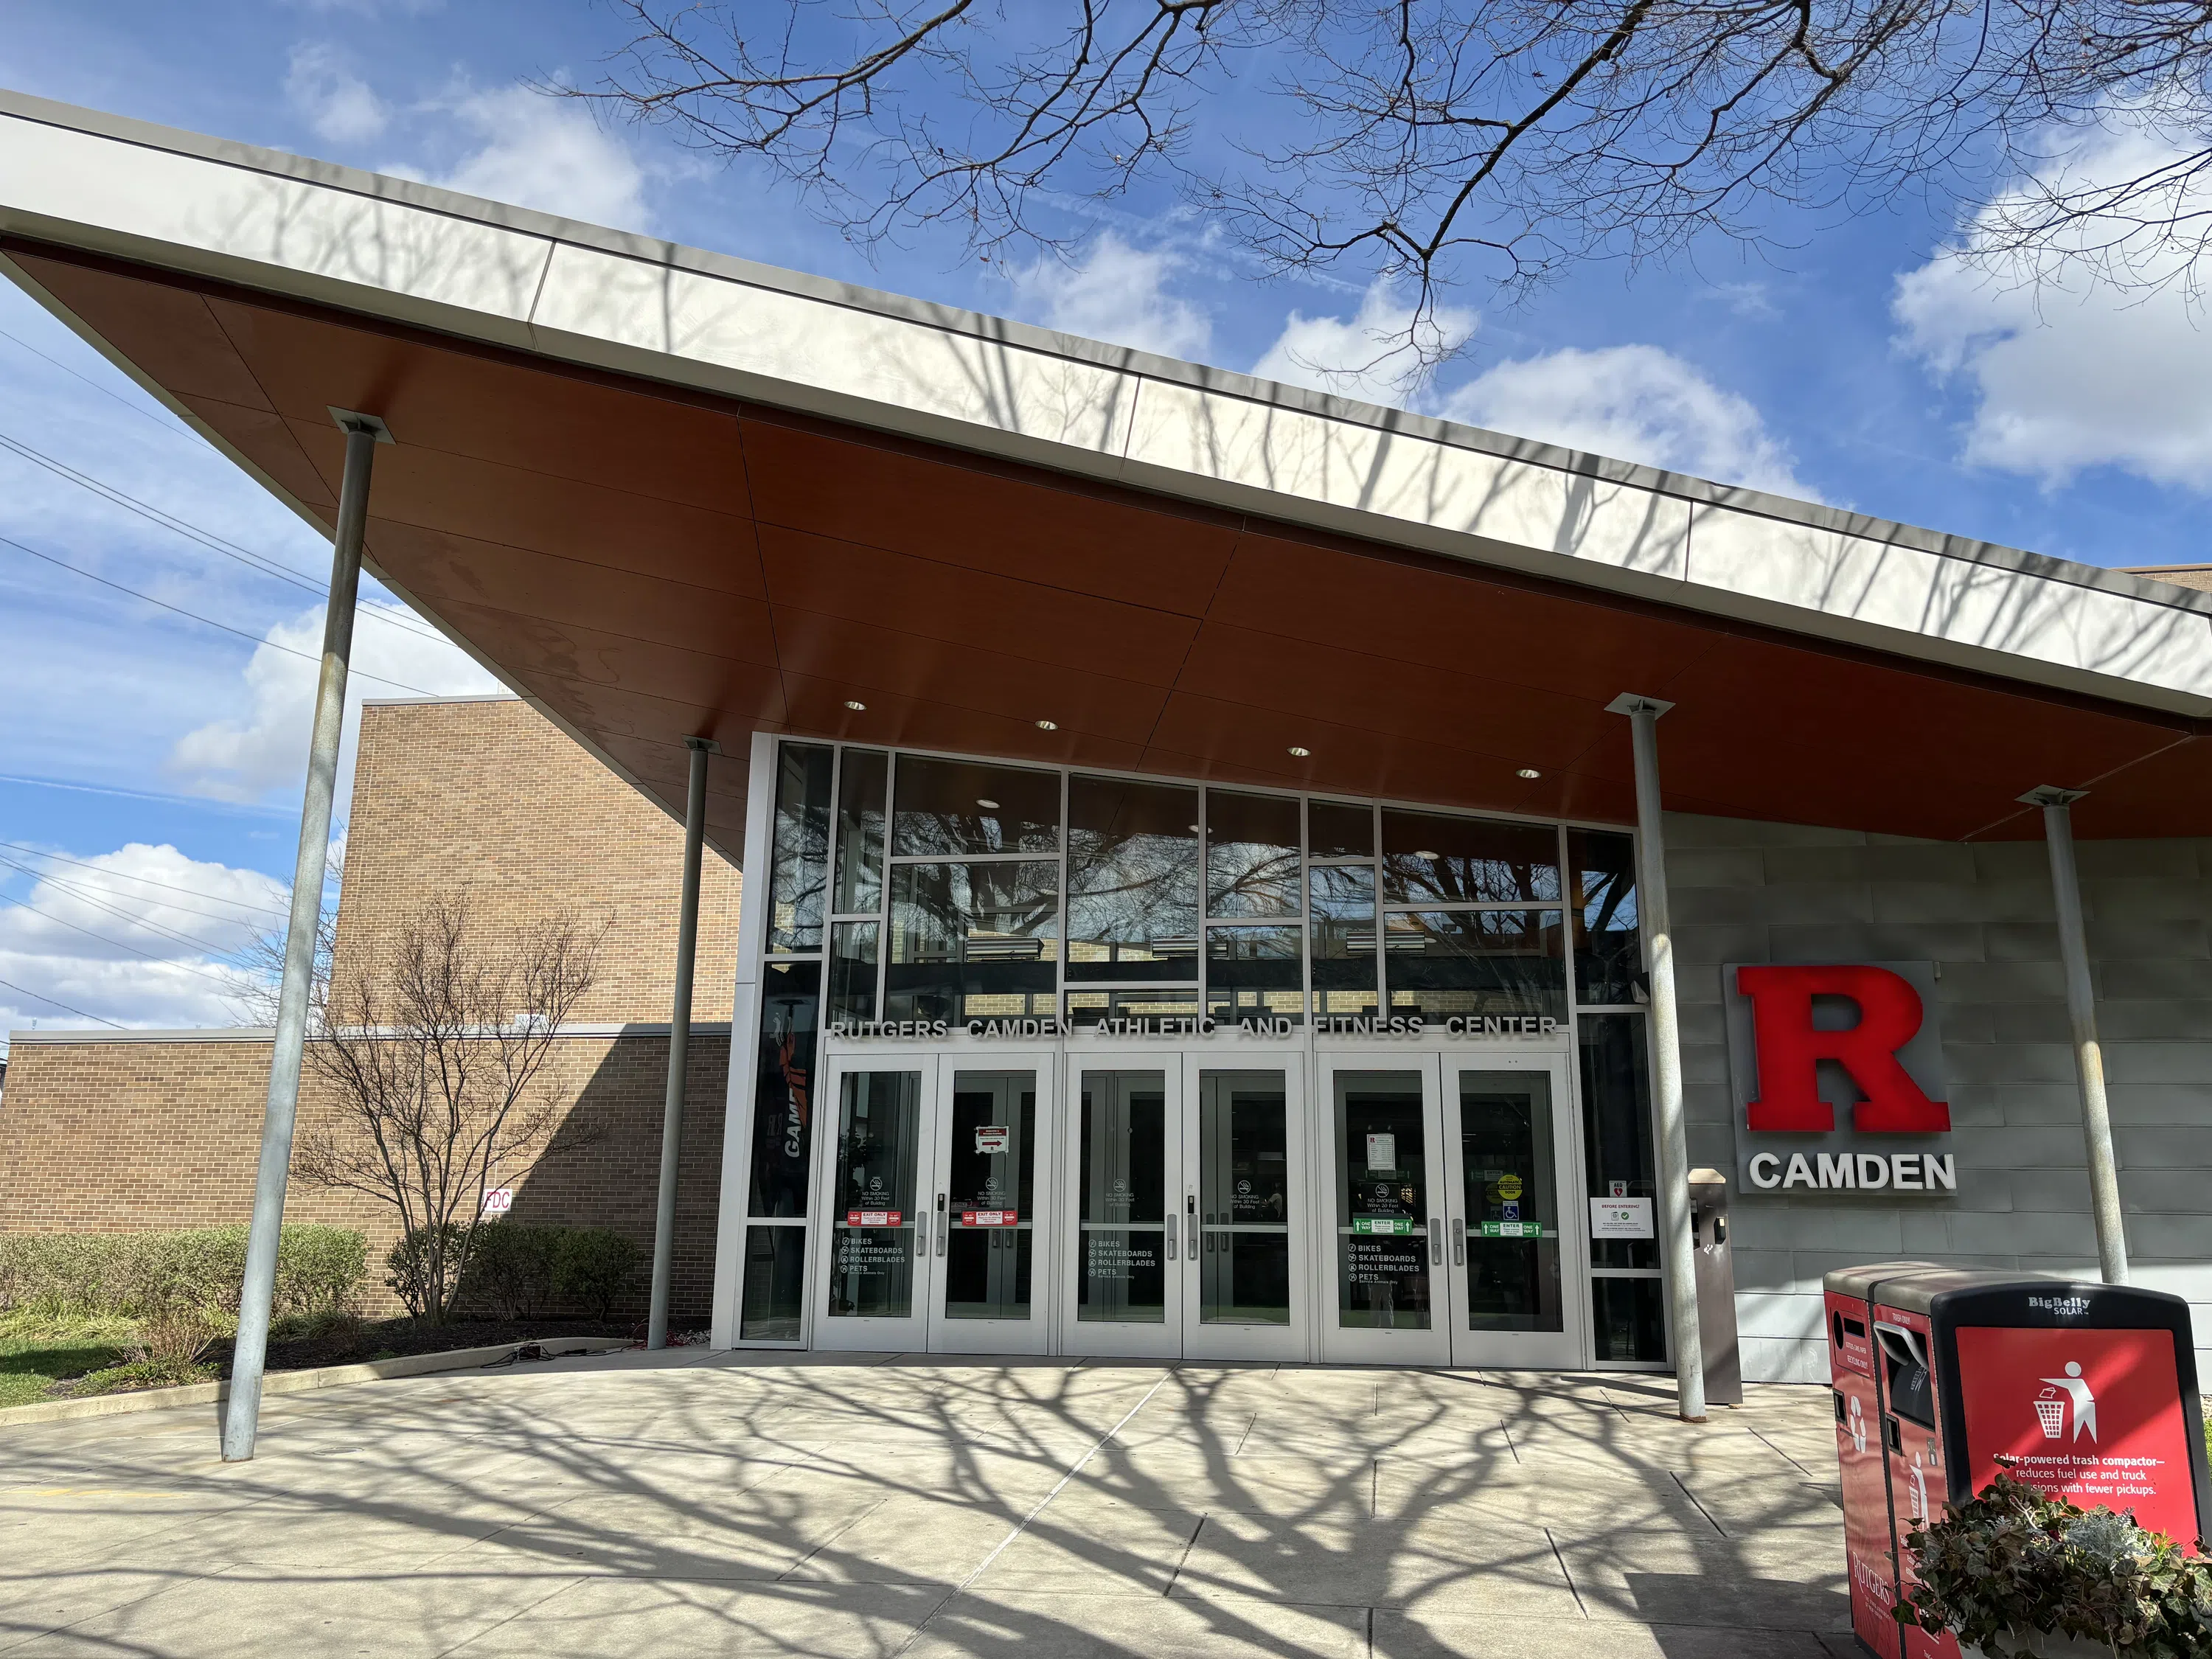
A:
(1790, 1049)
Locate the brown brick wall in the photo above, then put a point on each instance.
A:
(107, 1137)
(483, 799)
(491, 801)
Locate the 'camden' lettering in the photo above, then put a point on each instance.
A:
(1854, 1172)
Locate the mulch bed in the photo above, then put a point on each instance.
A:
(394, 1338)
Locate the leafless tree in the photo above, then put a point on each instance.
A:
(435, 1060)
(1491, 143)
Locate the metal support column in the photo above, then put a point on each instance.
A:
(679, 1043)
(2057, 805)
(242, 1417)
(1677, 1248)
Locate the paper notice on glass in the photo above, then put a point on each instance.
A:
(1620, 1217)
(1382, 1152)
(991, 1139)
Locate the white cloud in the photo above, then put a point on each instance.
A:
(1633, 402)
(338, 104)
(2070, 369)
(243, 758)
(1370, 356)
(546, 153)
(139, 936)
(1117, 293)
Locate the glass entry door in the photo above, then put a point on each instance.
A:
(1451, 1178)
(1384, 1263)
(987, 1251)
(1246, 1230)
(877, 1277)
(1516, 1268)
(1123, 1289)
(1186, 1233)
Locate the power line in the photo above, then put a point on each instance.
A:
(53, 1002)
(125, 916)
(106, 392)
(261, 563)
(81, 886)
(169, 961)
(146, 881)
(206, 621)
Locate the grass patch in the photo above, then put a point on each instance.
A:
(30, 1366)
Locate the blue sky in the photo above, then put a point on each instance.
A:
(150, 762)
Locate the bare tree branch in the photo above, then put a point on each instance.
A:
(435, 1063)
(1444, 142)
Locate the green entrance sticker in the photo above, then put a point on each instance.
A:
(1380, 1223)
(1516, 1229)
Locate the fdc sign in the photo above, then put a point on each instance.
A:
(1837, 1073)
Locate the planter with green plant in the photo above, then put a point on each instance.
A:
(2012, 1572)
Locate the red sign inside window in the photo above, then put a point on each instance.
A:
(1791, 1048)
(2092, 1417)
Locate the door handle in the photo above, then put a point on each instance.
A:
(943, 1223)
(1459, 1241)
(1169, 1231)
(1436, 1243)
(1190, 1228)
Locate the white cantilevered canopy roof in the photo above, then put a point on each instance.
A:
(663, 492)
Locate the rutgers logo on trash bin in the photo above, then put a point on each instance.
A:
(1837, 1075)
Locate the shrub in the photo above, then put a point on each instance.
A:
(2012, 1561)
(596, 1265)
(521, 1271)
(84, 1275)
(421, 1268)
(320, 1270)
(171, 1339)
(512, 1268)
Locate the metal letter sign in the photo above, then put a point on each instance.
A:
(1791, 1048)
(1836, 1071)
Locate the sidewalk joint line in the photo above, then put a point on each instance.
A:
(1573, 1588)
(1022, 1526)
(1188, 1544)
(1684, 1485)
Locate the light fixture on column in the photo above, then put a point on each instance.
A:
(856, 705)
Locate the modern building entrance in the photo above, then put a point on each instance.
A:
(1074, 1063)
(1189, 1222)
(1446, 1186)
(932, 1199)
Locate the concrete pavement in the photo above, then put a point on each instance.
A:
(877, 1505)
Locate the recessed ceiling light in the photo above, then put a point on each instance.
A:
(1048, 725)
(1298, 752)
(856, 705)
(987, 805)
(1530, 772)
(1431, 857)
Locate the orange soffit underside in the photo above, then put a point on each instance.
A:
(649, 563)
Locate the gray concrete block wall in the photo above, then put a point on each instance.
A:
(1743, 891)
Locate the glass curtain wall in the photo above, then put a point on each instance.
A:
(910, 892)
(1628, 1313)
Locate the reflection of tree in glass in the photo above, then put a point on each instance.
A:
(1433, 858)
(1251, 855)
(974, 912)
(1132, 863)
(800, 848)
